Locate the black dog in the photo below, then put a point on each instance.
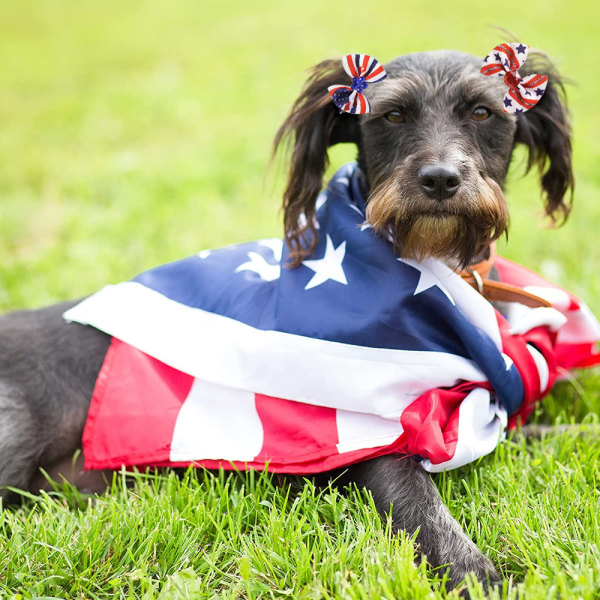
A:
(434, 152)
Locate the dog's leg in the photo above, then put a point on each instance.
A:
(71, 469)
(401, 484)
(47, 373)
(19, 447)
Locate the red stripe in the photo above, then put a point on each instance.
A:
(537, 81)
(571, 356)
(512, 57)
(492, 69)
(520, 99)
(375, 73)
(515, 346)
(294, 431)
(362, 108)
(133, 411)
(349, 58)
(365, 64)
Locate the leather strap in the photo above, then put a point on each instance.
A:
(477, 275)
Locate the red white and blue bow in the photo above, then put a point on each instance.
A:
(523, 93)
(363, 69)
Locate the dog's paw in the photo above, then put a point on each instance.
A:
(477, 565)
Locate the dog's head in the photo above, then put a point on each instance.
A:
(435, 151)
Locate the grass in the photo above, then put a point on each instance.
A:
(136, 133)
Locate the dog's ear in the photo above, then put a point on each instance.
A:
(546, 131)
(314, 124)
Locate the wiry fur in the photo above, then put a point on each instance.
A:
(400, 483)
(48, 367)
(456, 233)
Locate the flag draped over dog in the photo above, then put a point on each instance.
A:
(229, 358)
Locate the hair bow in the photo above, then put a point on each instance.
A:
(363, 69)
(523, 93)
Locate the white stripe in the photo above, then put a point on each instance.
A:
(221, 350)
(541, 365)
(358, 430)
(481, 425)
(217, 422)
(348, 58)
(543, 316)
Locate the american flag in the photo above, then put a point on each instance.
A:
(229, 358)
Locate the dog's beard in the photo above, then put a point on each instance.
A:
(456, 231)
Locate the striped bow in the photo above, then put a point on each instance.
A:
(523, 93)
(363, 69)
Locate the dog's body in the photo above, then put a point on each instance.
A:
(434, 153)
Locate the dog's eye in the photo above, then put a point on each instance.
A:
(481, 113)
(395, 117)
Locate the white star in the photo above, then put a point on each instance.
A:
(258, 264)
(328, 267)
(427, 279)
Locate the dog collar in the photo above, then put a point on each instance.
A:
(477, 275)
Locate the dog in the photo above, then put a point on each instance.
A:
(434, 153)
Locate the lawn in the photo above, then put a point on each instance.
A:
(134, 133)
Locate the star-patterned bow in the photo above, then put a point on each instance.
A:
(523, 93)
(363, 69)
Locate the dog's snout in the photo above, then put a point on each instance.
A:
(439, 181)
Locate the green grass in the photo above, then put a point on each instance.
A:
(136, 133)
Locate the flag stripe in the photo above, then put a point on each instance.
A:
(360, 430)
(141, 423)
(299, 431)
(217, 422)
(221, 350)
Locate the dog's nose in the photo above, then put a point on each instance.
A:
(439, 181)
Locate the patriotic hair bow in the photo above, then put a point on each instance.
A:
(523, 93)
(363, 69)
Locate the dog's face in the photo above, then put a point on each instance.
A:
(436, 148)
(435, 151)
